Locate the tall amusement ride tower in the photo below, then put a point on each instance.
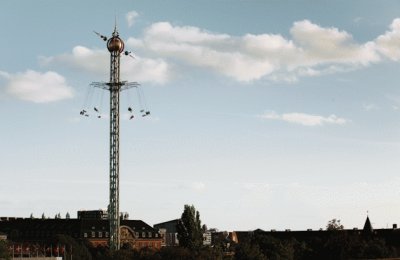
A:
(116, 47)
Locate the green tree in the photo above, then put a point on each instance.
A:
(249, 251)
(273, 248)
(334, 224)
(4, 250)
(377, 248)
(190, 233)
(77, 249)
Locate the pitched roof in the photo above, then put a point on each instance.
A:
(174, 221)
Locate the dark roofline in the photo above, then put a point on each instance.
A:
(166, 222)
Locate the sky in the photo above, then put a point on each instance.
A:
(264, 114)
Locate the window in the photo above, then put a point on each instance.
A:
(93, 234)
(85, 234)
(149, 234)
(156, 234)
(143, 234)
(100, 234)
(106, 234)
(136, 234)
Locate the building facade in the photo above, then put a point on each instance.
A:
(169, 231)
(95, 230)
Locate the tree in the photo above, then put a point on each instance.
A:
(4, 250)
(334, 224)
(249, 251)
(190, 233)
(204, 228)
(273, 248)
(77, 249)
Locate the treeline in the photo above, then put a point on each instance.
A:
(336, 245)
(332, 244)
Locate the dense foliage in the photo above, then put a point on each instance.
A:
(265, 247)
(259, 245)
(333, 244)
(334, 224)
(336, 245)
(4, 251)
(190, 232)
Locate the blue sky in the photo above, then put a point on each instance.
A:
(265, 114)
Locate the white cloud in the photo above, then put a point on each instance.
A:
(388, 43)
(312, 51)
(131, 17)
(199, 48)
(304, 119)
(97, 62)
(370, 107)
(82, 58)
(329, 45)
(37, 87)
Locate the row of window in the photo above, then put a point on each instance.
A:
(93, 234)
(149, 234)
(101, 234)
(41, 234)
(148, 244)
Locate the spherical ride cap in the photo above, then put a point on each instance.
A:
(115, 44)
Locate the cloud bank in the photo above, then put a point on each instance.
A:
(96, 61)
(310, 50)
(304, 119)
(37, 87)
(388, 43)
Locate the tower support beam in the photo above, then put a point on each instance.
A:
(115, 46)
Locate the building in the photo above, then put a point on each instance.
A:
(90, 226)
(207, 238)
(169, 231)
(390, 235)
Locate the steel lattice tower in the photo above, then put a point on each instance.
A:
(116, 47)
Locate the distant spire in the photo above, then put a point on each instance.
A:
(367, 226)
